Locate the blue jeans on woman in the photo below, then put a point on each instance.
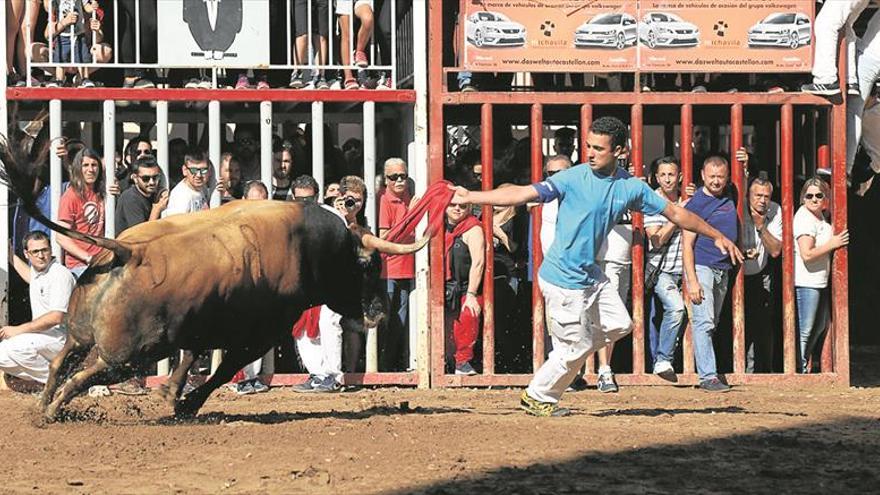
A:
(812, 313)
(668, 291)
(705, 318)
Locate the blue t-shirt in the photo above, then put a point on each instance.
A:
(721, 214)
(590, 205)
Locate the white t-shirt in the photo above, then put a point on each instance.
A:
(617, 247)
(50, 290)
(751, 239)
(815, 273)
(670, 262)
(183, 199)
(548, 224)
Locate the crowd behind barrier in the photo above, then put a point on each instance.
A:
(145, 194)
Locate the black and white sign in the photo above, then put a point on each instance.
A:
(214, 33)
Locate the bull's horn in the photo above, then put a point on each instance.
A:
(388, 247)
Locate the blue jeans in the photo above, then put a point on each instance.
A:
(668, 292)
(812, 311)
(398, 321)
(705, 318)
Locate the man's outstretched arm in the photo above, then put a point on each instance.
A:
(506, 196)
(688, 221)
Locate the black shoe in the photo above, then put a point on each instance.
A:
(821, 89)
(853, 89)
(577, 385)
(714, 385)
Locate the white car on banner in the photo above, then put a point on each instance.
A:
(494, 29)
(611, 30)
(661, 29)
(782, 29)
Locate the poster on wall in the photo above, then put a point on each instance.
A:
(726, 35)
(213, 33)
(550, 35)
(649, 35)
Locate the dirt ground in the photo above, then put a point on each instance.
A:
(642, 440)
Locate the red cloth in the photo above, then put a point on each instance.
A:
(434, 203)
(464, 332)
(391, 211)
(463, 226)
(308, 323)
(83, 214)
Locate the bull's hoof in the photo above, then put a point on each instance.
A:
(167, 395)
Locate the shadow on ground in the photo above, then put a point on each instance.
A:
(834, 457)
(865, 366)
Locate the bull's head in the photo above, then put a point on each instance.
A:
(373, 291)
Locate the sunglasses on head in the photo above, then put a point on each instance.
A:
(810, 196)
(198, 171)
(396, 177)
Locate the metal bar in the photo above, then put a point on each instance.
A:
(487, 159)
(421, 168)
(109, 168)
(214, 136)
(586, 121)
(738, 295)
(162, 137)
(537, 128)
(686, 379)
(55, 169)
(311, 54)
(290, 49)
(183, 94)
(27, 53)
(115, 32)
(137, 35)
(266, 144)
(369, 174)
(393, 74)
(638, 248)
(318, 142)
(789, 335)
(687, 174)
(4, 191)
(839, 222)
(286, 380)
(628, 98)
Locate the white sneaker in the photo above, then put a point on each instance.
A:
(664, 370)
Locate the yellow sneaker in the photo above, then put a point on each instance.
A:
(543, 409)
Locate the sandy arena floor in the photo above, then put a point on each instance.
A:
(642, 440)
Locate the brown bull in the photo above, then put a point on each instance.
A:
(235, 278)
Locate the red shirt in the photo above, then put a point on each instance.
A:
(391, 210)
(84, 215)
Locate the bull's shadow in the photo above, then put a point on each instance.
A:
(275, 417)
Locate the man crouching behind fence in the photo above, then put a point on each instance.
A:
(585, 312)
(27, 349)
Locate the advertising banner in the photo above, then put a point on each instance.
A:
(550, 35)
(649, 35)
(213, 33)
(726, 35)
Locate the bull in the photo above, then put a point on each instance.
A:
(234, 278)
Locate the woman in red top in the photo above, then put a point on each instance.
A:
(82, 209)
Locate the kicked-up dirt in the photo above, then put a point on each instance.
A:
(641, 440)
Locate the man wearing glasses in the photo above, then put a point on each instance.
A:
(143, 202)
(27, 349)
(192, 193)
(305, 189)
(398, 270)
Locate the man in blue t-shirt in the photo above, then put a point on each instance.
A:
(584, 312)
(706, 267)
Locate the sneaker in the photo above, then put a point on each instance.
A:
(465, 368)
(606, 384)
(852, 89)
(130, 387)
(263, 84)
(699, 89)
(86, 83)
(384, 82)
(296, 79)
(243, 82)
(467, 87)
(664, 370)
(52, 83)
(714, 385)
(144, 83)
(775, 89)
(365, 80)
(327, 385)
(308, 386)
(577, 385)
(205, 83)
(352, 84)
(245, 387)
(322, 83)
(542, 409)
(192, 83)
(821, 89)
(258, 386)
(360, 59)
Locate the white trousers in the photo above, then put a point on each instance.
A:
(28, 355)
(581, 321)
(834, 16)
(857, 118)
(322, 356)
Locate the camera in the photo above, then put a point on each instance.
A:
(349, 202)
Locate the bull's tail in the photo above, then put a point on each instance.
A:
(20, 172)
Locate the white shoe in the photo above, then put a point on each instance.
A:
(664, 370)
